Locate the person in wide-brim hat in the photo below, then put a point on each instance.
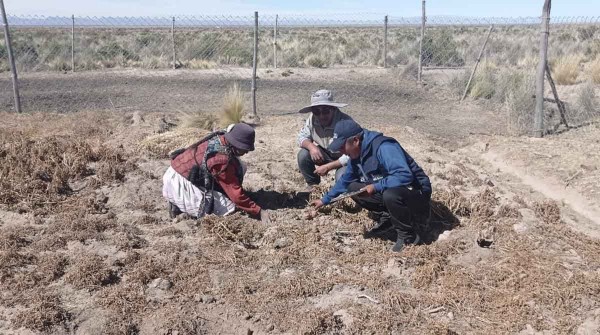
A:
(314, 159)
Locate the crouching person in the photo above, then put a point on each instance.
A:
(396, 191)
(206, 178)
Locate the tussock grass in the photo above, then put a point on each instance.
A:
(484, 83)
(233, 106)
(198, 120)
(566, 70)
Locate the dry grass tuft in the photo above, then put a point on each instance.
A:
(233, 106)
(508, 211)
(548, 211)
(146, 269)
(37, 171)
(14, 238)
(88, 271)
(453, 200)
(566, 70)
(160, 145)
(199, 120)
(483, 204)
(595, 71)
(45, 313)
(234, 228)
(127, 298)
(127, 237)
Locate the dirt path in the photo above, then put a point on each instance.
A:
(374, 96)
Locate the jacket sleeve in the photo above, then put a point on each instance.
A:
(304, 133)
(392, 159)
(341, 185)
(229, 182)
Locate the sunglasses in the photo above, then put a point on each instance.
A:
(318, 110)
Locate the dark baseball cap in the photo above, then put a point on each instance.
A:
(344, 130)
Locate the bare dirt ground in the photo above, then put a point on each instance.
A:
(86, 245)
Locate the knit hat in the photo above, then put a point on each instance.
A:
(241, 136)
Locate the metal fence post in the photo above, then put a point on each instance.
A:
(73, 43)
(385, 33)
(11, 59)
(173, 42)
(275, 42)
(423, 18)
(254, 61)
(539, 84)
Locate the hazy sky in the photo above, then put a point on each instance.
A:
(496, 8)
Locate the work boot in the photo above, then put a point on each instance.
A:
(383, 222)
(401, 242)
(173, 210)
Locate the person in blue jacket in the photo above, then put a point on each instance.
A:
(396, 191)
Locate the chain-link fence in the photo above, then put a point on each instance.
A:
(185, 63)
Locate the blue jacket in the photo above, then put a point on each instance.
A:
(384, 163)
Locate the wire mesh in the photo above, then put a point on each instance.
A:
(185, 63)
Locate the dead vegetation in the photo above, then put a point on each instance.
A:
(314, 275)
(88, 271)
(45, 314)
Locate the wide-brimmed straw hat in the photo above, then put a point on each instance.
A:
(322, 98)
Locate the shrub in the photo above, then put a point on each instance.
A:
(586, 103)
(484, 82)
(595, 71)
(314, 60)
(440, 49)
(113, 50)
(520, 105)
(566, 70)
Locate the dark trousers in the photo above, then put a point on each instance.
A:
(307, 166)
(408, 208)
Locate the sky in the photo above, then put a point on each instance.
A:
(398, 8)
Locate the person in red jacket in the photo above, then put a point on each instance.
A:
(206, 178)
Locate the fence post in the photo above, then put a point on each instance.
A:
(423, 18)
(477, 62)
(385, 33)
(254, 61)
(275, 42)
(73, 43)
(173, 43)
(539, 84)
(11, 58)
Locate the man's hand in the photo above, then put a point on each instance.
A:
(369, 189)
(317, 203)
(315, 154)
(322, 170)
